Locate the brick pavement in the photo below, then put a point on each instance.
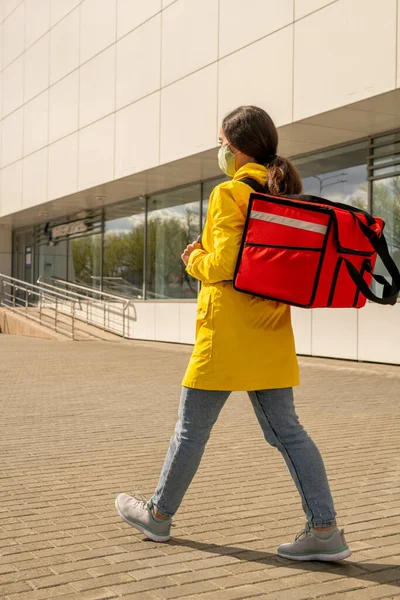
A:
(82, 422)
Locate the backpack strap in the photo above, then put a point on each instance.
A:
(255, 186)
(390, 290)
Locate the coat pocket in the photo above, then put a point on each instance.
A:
(203, 307)
(204, 323)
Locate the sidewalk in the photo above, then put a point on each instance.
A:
(82, 422)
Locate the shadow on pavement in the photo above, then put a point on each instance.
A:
(368, 571)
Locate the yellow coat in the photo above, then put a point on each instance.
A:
(242, 342)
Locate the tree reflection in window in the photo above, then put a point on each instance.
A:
(84, 260)
(123, 253)
(173, 223)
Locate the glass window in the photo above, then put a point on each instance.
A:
(24, 256)
(84, 260)
(390, 170)
(386, 194)
(173, 223)
(386, 158)
(123, 254)
(53, 260)
(339, 175)
(387, 144)
(386, 204)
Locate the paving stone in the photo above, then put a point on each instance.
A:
(372, 593)
(89, 432)
(99, 582)
(100, 594)
(43, 594)
(188, 589)
(11, 588)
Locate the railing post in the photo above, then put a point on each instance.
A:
(73, 320)
(111, 308)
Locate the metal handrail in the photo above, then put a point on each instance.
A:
(107, 307)
(101, 293)
(52, 298)
(83, 287)
(10, 301)
(25, 284)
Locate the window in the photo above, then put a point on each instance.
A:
(339, 174)
(123, 253)
(53, 260)
(386, 204)
(173, 223)
(24, 255)
(84, 260)
(384, 172)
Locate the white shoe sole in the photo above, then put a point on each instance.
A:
(146, 532)
(324, 557)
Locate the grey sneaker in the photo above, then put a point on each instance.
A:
(137, 512)
(308, 546)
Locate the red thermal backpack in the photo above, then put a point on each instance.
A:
(310, 252)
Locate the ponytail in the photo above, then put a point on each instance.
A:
(252, 131)
(283, 177)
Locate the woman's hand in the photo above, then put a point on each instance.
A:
(188, 251)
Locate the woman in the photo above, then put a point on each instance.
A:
(242, 343)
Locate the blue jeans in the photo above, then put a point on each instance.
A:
(275, 411)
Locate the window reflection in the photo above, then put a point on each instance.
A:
(385, 168)
(339, 175)
(173, 223)
(386, 204)
(123, 259)
(84, 260)
(53, 260)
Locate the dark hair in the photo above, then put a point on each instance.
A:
(252, 131)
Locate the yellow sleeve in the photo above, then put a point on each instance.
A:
(226, 221)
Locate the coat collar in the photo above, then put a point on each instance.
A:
(254, 171)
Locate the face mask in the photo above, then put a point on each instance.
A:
(226, 161)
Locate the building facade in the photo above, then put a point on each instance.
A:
(110, 112)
